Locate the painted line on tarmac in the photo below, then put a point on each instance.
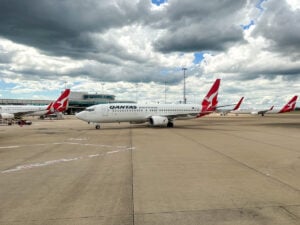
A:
(14, 146)
(63, 160)
(64, 143)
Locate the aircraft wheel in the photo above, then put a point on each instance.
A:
(170, 124)
(97, 126)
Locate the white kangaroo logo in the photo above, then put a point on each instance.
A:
(210, 98)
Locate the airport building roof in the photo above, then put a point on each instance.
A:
(77, 100)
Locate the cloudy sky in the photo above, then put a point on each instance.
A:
(133, 48)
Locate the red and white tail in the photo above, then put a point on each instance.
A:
(238, 104)
(61, 104)
(210, 101)
(50, 108)
(290, 106)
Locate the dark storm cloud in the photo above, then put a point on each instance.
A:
(186, 40)
(280, 25)
(76, 29)
(199, 25)
(63, 27)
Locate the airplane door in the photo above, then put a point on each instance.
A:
(105, 111)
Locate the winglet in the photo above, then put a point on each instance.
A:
(238, 104)
(290, 106)
(210, 101)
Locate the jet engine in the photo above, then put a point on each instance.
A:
(158, 120)
(6, 116)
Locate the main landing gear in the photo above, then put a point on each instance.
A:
(97, 126)
(170, 124)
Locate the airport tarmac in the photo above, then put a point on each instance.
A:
(210, 171)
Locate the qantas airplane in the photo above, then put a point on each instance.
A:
(155, 114)
(224, 112)
(17, 111)
(290, 106)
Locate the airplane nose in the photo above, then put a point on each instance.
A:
(79, 116)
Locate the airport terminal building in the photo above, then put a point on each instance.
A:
(78, 101)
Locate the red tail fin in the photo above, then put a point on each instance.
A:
(210, 101)
(61, 104)
(50, 108)
(238, 104)
(290, 106)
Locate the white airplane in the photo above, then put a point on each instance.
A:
(224, 112)
(17, 111)
(155, 114)
(290, 106)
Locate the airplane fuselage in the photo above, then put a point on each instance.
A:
(155, 114)
(107, 113)
(34, 110)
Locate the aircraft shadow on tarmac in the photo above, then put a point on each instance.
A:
(205, 127)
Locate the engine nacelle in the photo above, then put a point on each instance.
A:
(158, 120)
(254, 113)
(6, 116)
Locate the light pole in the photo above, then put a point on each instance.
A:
(136, 92)
(165, 91)
(184, 98)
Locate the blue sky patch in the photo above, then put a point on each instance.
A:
(5, 89)
(246, 27)
(198, 57)
(258, 5)
(158, 2)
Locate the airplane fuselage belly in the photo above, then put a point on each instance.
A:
(121, 117)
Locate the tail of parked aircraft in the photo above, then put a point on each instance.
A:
(290, 106)
(61, 104)
(210, 101)
(50, 108)
(238, 104)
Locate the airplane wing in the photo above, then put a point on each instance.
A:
(262, 112)
(221, 106)
(19, 115)
(187, 115)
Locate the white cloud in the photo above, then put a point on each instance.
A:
(295, 4)
(122, 53)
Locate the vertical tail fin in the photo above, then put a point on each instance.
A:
(290, 106)
(238, 104)
(50, 108)
(61, 104)
(210, 101)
